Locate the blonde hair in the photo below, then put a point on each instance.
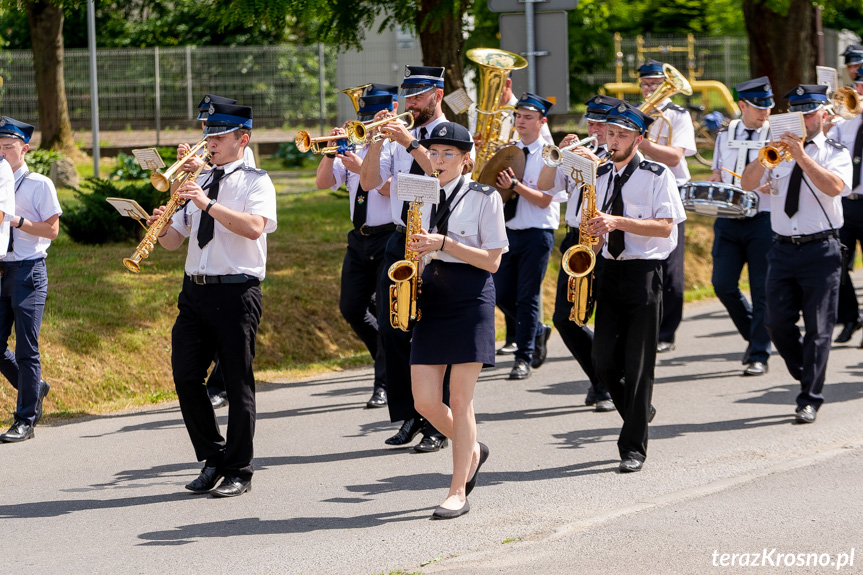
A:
(468, 166)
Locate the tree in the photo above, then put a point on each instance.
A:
(782, 41)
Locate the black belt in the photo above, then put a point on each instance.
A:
(401, 229)
(367, 230)
(20, 263)
(805, 239)
(229, 279)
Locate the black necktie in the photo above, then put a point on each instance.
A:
(792, 199)
(416, 170)
(207, 224)
(615, 238)
(438, 209)
(361, 207)
(11, 228)
(510, 206)
(858, 153)
(748, 137)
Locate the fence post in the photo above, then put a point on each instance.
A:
(321, 85)
(727, 61)
(158, 98)
(189, 81)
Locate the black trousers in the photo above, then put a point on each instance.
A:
(672, 288)
(578, 339)
(851, 234)
(629, 298)
(397, 345)
(361, 272)
(218, 319)
(804, 279)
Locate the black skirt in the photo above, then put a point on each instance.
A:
(456, 325)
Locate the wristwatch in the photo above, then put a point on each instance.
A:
(514, 184)
(414, 145)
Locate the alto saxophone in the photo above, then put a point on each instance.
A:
(405, 276)
(579, 260)
(143, 250)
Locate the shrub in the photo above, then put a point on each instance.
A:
(39, 161)
(94, 221)
(127, 168)
(291, 157)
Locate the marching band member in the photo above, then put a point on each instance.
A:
(804, 263)
(423, 92)
(673, 155)
(370, 214)
(640, 209)
(850, 134)
(745, 240)
(853, 55)
(531, 216)
(32, 212)
(461, 248)
(579, 339)
(224, 268)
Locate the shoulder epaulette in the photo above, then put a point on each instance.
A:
(835, 144)
(652, 167)
(604, 169)
(675, 107)
(485, 189)
(722, 129)
(246, 168)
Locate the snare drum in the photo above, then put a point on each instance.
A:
(719, 200)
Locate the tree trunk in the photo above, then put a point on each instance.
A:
(46, 33)
(443, 44)
(783, 47)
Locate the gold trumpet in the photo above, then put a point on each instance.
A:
(553, 156)
(357, 132)
(674, 82)
(163, 181)
(774, 154)
(846, 102)
(305, 142)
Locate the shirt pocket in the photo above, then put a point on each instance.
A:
(464, 229)
(636, 211)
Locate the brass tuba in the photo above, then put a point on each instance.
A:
(355, 94)
(494, 68)
(674, 82)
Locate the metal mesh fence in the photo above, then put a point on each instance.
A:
(149, 87)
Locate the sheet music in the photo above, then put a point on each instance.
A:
(790, 122)
(128, 208)
(412, 187)
(579, 168)
(827, 76)
(458, 101)
(148, 158)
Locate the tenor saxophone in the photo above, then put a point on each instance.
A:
(147, 244)
(405, 276)
(579, 260)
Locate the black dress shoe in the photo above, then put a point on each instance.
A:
(590, 398)
(604, 406)
(507, 349)
(848, 330)
(805, 414)
(747, 355)
(540, 347)
(664, 346)
(651, 414)
(44, 388)
(378, 398)
(219, 399)
(409, 429)
(232, 487)
(630, 465)
(443, 513)
(521, 370)
(755, 368)
(205, 481)
(20, 431)
(483, 455)
(431, 443)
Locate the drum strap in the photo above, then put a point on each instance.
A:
(743, 147)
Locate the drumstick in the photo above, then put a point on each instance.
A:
(735, 174)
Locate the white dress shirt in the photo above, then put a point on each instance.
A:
(682, 136)
(36, 201)
(845, 133)
(650, 193)
(810, 219)
(244, 190)
(527, 214)
(7, 202)
(378, 211)
(731, 150)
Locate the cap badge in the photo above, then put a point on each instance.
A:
(407, 72)
(206, 99)
(598, 100)
(2, 121)
(442, 131)
(212, 110)
(621, 108)
(766, 87)
(800, 90)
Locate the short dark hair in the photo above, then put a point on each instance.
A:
(240, 131)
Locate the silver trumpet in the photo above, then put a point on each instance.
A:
(553, 156)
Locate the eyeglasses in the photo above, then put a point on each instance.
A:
(446, 155)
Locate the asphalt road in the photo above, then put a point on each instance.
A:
(728, 472)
